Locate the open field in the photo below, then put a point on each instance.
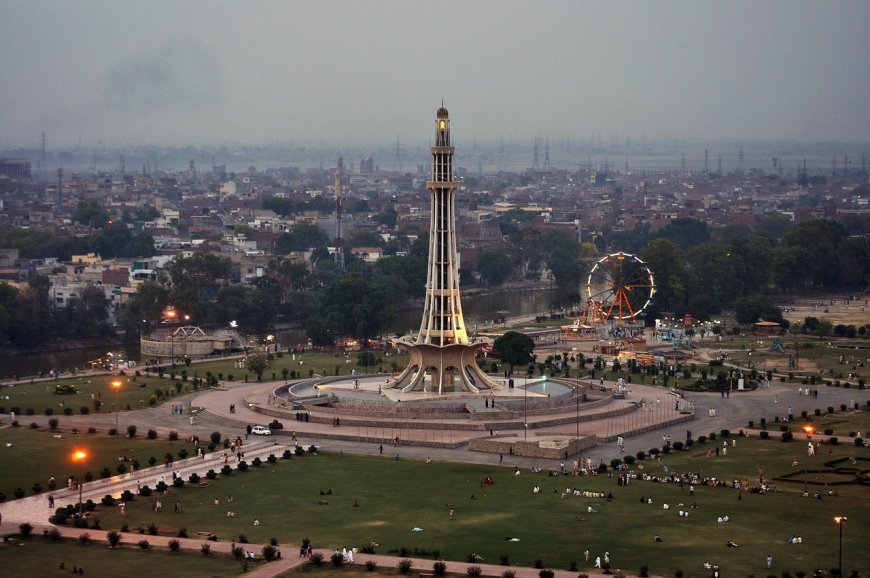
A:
(40, 557)
(393, 497)
(28, 456)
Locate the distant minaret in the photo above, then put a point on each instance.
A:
(740, 159)
(60, 186)
(706, 160)
(339, 242)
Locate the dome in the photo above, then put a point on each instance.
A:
(442, 113)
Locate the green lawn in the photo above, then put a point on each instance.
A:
(34, 456)
(394, 497)
(136, 393)
(40, 557)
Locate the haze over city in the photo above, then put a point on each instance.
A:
(104, 73)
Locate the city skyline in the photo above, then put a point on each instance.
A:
(107, 74)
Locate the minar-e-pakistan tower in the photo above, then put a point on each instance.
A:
(442, 355)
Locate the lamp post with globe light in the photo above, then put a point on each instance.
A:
(840, 520)
(116, 385)
(79, 456)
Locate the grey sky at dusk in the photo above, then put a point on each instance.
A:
(180, 72)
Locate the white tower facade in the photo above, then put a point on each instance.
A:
(442, 354)
(442, 322)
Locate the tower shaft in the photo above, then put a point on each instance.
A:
(442, 322)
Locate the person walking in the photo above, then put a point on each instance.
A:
(769, 561)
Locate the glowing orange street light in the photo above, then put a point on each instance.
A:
(80, 456)
(840, 520)
(808, 429)
(116, 385)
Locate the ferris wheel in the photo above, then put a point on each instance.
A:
(622, 284)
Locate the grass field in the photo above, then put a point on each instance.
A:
(135, 393)
(40, 557)
(34, 456)
(393, 497)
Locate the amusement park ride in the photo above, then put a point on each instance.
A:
(620, 287)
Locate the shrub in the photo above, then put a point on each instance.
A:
(226, 470)
(712, 436)
(546, 574)
(833, 441)
(48, 411)
(113, 432)
(182, 532)
(829, 431)
(787, 436)
(337, 559)
(641, 455)
(152, 434)
(215, 437)
(270, 552)
(765, 434)
(817, 412)
(108, 500)
(299, 451)
(473, 571)
(84, 539)
(144, 491)
(205, 549)
(644, 571)
(131, 431)
(174, 545)
(243, 466)
(114, 538)
(211, 474)
(630, 459)
(439, 568)
(127, 496)
(678, 446)
(725, 433)
(144, 545)
(371, 565)
(152, 529)
(287, 454)
(182, 453)
(316, 558)
(178, 482)
(843, 407)
(55, 536)
(702, 439)
(256, 463)
(243, 539)
(194, 478)
(68, 411)
(539, 563)
(271, 459)
(509, 574)
(34, 425)
(405, 566)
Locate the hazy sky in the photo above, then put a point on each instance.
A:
(182, 72)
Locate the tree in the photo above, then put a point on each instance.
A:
(756, 307)
(301, 237)
(495, 268)
(514, 348)
(257, 364)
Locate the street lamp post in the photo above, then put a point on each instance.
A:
(840, 520)
(116, 385)
(80, 456)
